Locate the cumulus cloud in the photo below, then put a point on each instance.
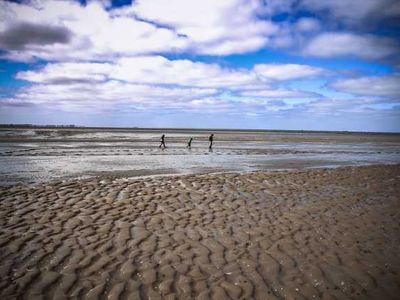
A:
(65, 30)
(357, 108)
(108, 95)
(356, 11)
(184, 72)
(155, 81)
(99, 57)
(68, 72)
(96, 34)
(213, 27)
(19, 35)
(279, 93)
(334, 44)
(160, 70)
(287, 71)
(145, 70)
(207, 21)
(112, 95)
(385, 86)
(145, 27)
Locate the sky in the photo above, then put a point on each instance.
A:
(245, 64)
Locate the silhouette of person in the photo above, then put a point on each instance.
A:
(189, 144)
(210, 139)
(162, 142)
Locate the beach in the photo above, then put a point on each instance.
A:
(325, 233)
(34, 155)
(205, 150)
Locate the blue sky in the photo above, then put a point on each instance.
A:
(289, 64)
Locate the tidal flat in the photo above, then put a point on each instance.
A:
(106, 214)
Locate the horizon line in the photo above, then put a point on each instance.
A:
(73, 126)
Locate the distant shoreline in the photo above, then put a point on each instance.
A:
(175, 129)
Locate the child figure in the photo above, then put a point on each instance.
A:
(189, 144)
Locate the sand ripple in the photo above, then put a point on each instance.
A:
(321, 234)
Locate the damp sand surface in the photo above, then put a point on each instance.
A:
(310, 234)
(32, 155)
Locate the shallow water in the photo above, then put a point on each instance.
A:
(38, 155)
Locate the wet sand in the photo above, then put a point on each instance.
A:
(311, 234)
(34, 155)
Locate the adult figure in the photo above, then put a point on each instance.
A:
(211, 139)
(162, 145)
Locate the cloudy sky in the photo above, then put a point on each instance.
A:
(287, 64)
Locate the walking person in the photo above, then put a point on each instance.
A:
(210, 139)
(162, 145)
(189, 144)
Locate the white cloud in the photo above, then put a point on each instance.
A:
(158, 70)
(279, 93)
(156, 82)
(358, 107)
(102, 58)
(68, 72)
(108, 95)
(210, 105)
(286, 71)
(144, 69)
(212, 26)
(385, 86)
(95, 33)
(334, 44)
(146, 27)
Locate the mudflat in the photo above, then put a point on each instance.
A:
(34, 155)
(312, 234)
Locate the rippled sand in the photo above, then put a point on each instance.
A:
(319, 234)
